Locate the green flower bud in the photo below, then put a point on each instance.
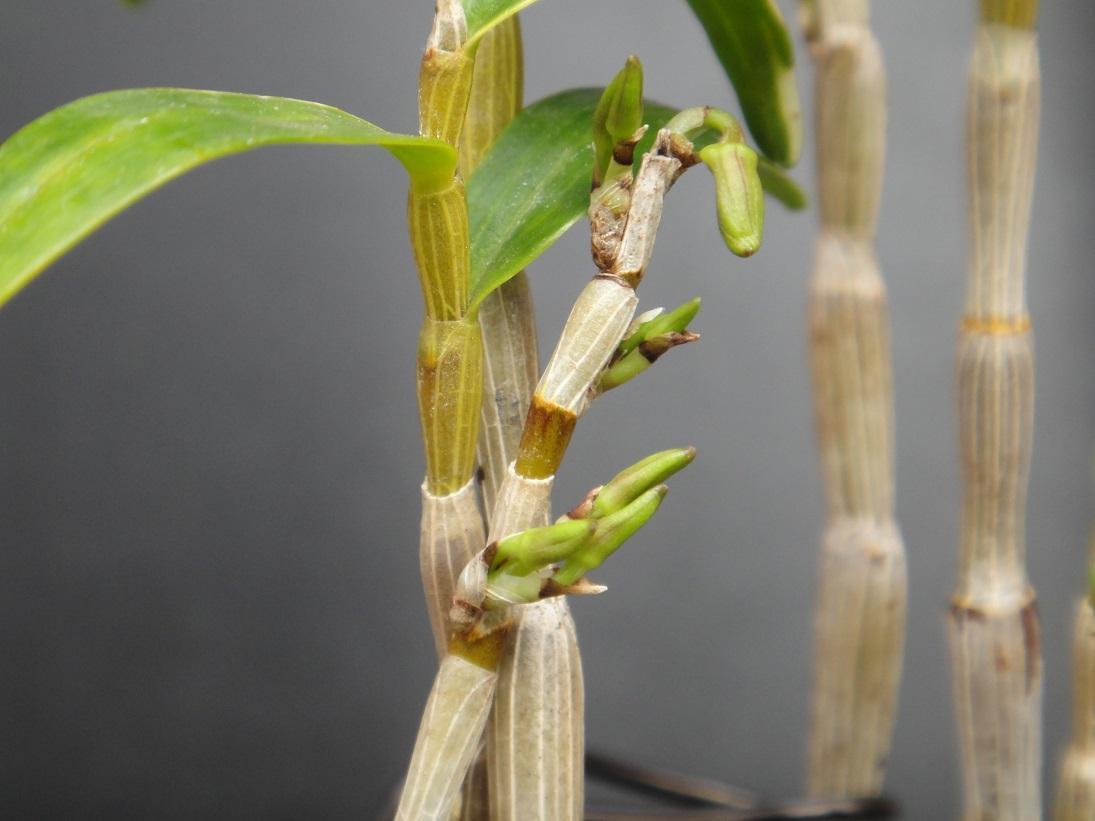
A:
(649, 351)
(739, 196)
(632, 482)
(531, 550)
(618, 115)
(659, 323)
(611, 532)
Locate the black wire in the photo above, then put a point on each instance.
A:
(710, 799)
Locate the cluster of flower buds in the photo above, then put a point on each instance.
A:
(554, 560)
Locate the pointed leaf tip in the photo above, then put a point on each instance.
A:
(619, 114)
(68, 172)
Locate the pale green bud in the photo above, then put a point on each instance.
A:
(632, 482)
(619, 114)
(739, 196)
(611, 532)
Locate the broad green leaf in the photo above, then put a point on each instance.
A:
(68, 172)
(534, 184)
(754, 47)
(483, 15)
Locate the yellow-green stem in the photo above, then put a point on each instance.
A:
(511, 362)
(1018, 13)
(510, 365)
(449, 350)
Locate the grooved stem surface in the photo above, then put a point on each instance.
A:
(859, 625)
(451, 534)
(448, 739)
(994, 625)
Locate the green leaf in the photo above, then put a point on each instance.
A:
(779, 185)
(534, 184)
(483, 15)
(754, 47)
(68, 172)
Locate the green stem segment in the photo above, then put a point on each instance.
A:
(450, 349)
(511, 361)
(1021, 14)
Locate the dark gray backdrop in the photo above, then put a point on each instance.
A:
(209, 450)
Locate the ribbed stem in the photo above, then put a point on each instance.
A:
(541, 703)
(510, 370)
(535, 744)
(448, 739)
(1076, 787)
(1018, 13)
(497, 91)
(536, 739)
(994, 627)
(511, 362)
(451, 535)
(439, 239)
(450, 379)
(859, 624)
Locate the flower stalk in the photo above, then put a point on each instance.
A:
(993, 625)
(860, 612)
(540, 699)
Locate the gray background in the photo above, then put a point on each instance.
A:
(209, 449)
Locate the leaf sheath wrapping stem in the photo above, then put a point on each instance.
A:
(438, 225)
(597, 322)
(857, 664)
(450, 376)
(497, 92)
(860, 616)
(510, 371)
(448, 739)
(1075, 799)
(852, 379)
(851, 130)
(511, 363)
(535, 746)
(444, 84)
(998, 701)
(451, 535)
(1018, 13)
(994, 625)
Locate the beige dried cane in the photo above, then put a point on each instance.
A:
(993, 624)
(859, 624)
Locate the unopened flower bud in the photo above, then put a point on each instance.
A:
(632, 482)
(739, 196)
